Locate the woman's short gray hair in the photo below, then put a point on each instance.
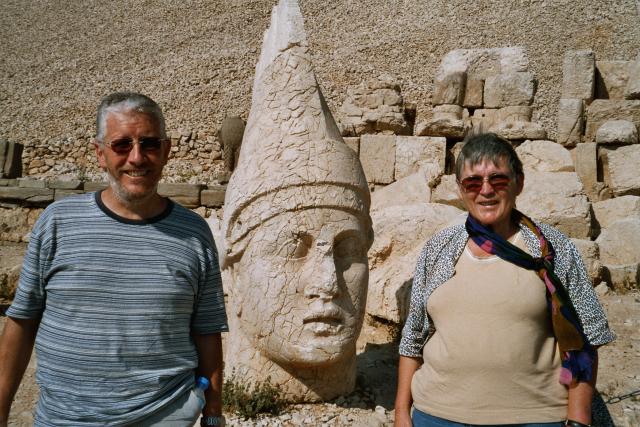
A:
(488, 146)
(127, 101)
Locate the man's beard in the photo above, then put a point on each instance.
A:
(126, 197)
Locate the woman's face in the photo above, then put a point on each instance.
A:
(302, 286)
(490, 204)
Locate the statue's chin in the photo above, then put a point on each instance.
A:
(308, 355)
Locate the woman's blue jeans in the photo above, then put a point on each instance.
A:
(420, 419)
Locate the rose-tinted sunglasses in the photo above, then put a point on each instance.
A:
(125, 145)
(473, 183)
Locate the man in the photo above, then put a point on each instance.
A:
(123, 290)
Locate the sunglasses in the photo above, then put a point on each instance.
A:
(125, 145)
(473, 184)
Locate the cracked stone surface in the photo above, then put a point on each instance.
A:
(296, 230)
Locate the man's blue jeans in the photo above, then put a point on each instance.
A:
(420, 419)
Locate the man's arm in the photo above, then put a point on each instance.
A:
(209, 349)
(16, 345)
(581, 396)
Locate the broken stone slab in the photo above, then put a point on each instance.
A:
(607, 212)
(401, 231)
(378, 157)
(6, 182)
(213, 196)
(619, 243)
(481, 63)
(623, 170)
(446, 128)
(188, 195)
(31, 183)
(611, 79)
(447, 192)
(415, 152)
(508, 89)
(570, 121)
(632, 90)
(4, 146)
(62, 193)
(558, 199)
(58, 184)
(415, 188)
(545, 156)
(91, 186)
(27, 196)
(230, 137)
(516, 131)
(353, 143)
(586, 165)
(603, 110)
(623, 277)
(13, 160)
(449, 89)
(617, 132)
(578, 75)
(473, 93)
(590, 254)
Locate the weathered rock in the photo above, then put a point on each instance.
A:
(213, 196)
(61, 194)
(401, 231)
(558, 199)
(450, 89)
(623, 170)
(446, 128)
(620, 242)
(586, 165)
(514, 113)
(483, 119)
(31, 183)
(611, 79)
(447, 193)
(378, 157)
(4, 146)
(623, 277)
(473, 93)
(578, 75)
(230, 136)
(516, 131)
(91, 186)
(603, 110)
(545, 156)
(16, 223)
(590, 254)
(617, 132)
(414, 152)
(632, 90)
(353, 143)
(27, 196)
(507, 89)
(610, 211)
(188, 195)
(13, 160)
(415, 188)
(481, 63)
(58, 184)
(570, 121)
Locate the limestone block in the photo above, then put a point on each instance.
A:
(603, 110)
(590, 254)
(4, 146)
(31, 183)
(620, 242)
(509, 89)
(213, 196)
(6, 182)
(447, 193)
(91, 186)
(401, 231)
(353, 143)
(450, 89)
(617, 132)
(610, 211)
(623, 277)
(13, 160)
(519, 130)
(481, 63)
(545, 156)
(414, 152)
(570, 121)
(558, 199)
(586, 165)
(623, 170)
(578, 75)
(378, 157)
(484, 119)
(415, 188)
(188, 195)
(473, 93)
(632, 90)
(611, 79)
(58, 184)
(447, 111)
(27, 196)
(514, 113)
(62, 193)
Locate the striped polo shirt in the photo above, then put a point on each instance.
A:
(119, 301)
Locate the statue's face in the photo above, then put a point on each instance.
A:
(302, 283)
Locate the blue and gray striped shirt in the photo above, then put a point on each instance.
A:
(119, 301)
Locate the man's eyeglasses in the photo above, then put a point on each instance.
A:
(125, 145)
(473, 184)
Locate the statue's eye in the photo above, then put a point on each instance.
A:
(297, 247)
(350, 247)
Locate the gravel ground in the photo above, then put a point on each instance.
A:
(197, 57)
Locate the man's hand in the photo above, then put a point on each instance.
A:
(16, 345)
(209, 349)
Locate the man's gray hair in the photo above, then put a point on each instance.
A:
(127, 101)
(491, 147)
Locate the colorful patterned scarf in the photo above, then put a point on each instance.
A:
(578, 355)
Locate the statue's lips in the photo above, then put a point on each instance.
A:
(326, 322)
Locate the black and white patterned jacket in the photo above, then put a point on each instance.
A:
(436, 265)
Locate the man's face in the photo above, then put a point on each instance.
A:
(133, 175)
(302, 285)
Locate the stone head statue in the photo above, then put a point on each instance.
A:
(297, 230)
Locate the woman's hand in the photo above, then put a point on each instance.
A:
(407, 366)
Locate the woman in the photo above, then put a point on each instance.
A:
(503, 323)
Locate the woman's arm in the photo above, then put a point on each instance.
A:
(581, 396)
(406, 368)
